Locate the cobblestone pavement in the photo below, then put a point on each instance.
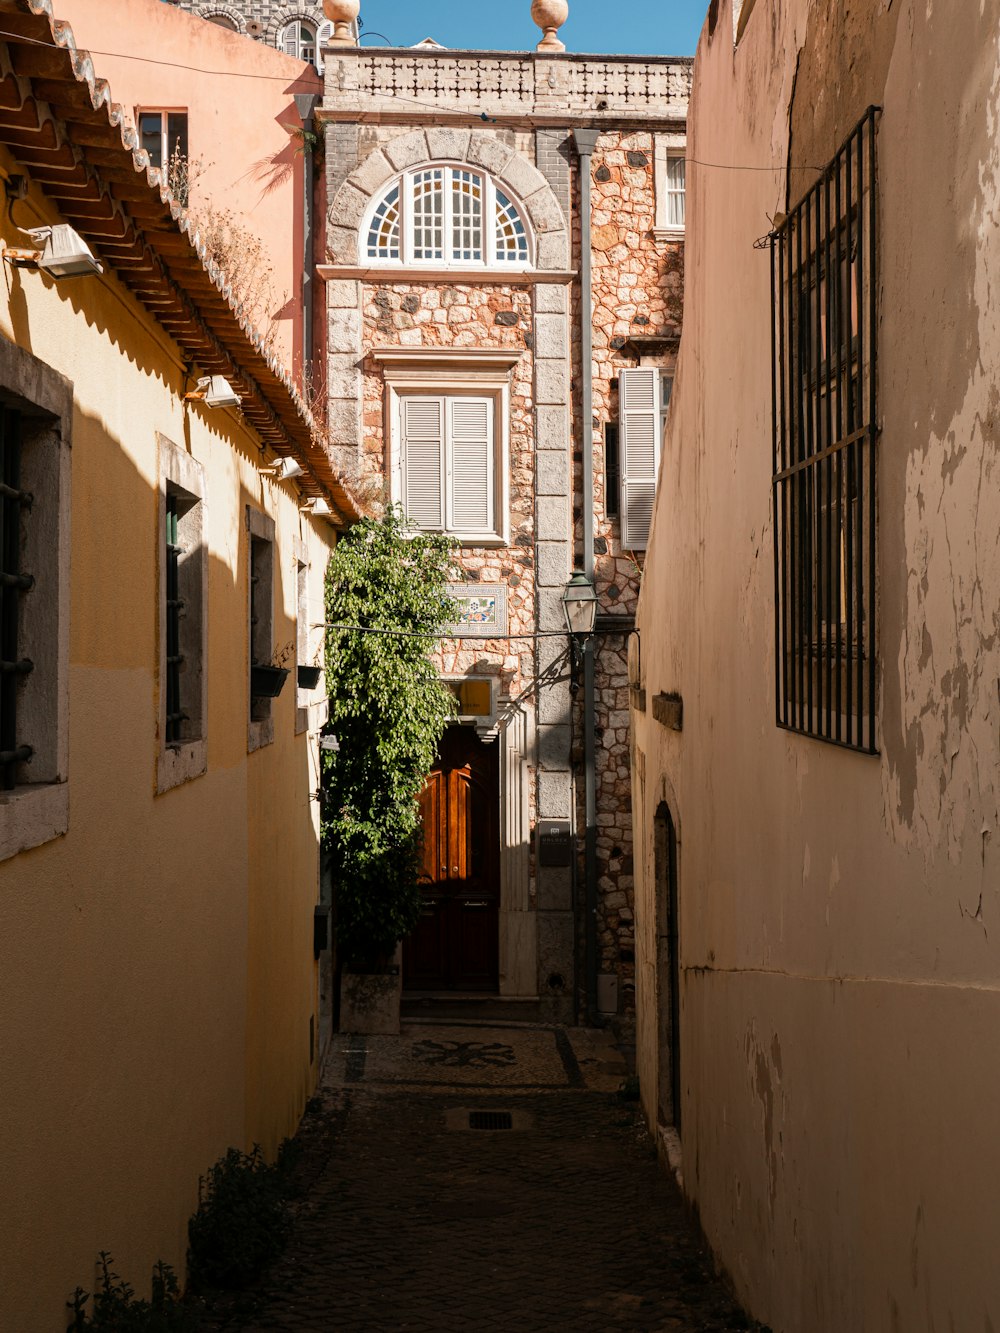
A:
(415, 1221)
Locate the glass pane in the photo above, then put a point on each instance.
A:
(428, 214)
(675, 191)
(383, 234)
(511, 240)
(151, 136)
(467, 216)
(177, 134)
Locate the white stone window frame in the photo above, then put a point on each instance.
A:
(260, 527)
(312, 707)
(449, 372)
(666, 146)
(489, 261)
(37, 809)
(180, 762)
(300, 46)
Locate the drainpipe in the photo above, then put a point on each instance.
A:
(306, 104)
(586, 142)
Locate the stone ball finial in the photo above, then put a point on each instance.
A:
(342, 13)
(550, 15)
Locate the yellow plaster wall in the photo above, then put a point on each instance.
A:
(157, 964)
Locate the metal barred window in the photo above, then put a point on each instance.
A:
(174, 656)
(824, 285)
(15, 583)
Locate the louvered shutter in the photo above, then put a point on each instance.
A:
(470, 447)
(640, 453)
(323, 34)
(423, 461)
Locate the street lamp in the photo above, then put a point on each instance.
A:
(580, 607)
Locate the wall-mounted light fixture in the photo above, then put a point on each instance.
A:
(283, 469)
(214, 391)
(316, 507)
(59, 251)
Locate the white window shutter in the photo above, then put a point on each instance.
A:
(323, 34)
(423, 461)
(638, 396)
(470, 431)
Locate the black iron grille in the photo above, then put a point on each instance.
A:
(824, 285)
(14, 584)
(491, 1120)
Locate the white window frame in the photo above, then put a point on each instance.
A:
(165, 145)
(406, 260)
(36, 810)
(666, 146)
(312, 707)
(449, 373)
(631, 477)
(188, 758)
(299, 45)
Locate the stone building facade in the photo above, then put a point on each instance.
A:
(297, 27)
(453, 279)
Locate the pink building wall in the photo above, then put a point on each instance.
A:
(239, 95)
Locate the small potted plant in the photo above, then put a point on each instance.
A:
(267, 680)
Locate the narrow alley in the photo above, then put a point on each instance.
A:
(553, 1215)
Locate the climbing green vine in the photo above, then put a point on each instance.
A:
(388, 709)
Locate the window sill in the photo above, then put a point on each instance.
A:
(178, 764)
(414, 273)
(31, 816)
(310, 717)
(260, 734)
(669, 233)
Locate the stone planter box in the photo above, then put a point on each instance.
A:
(369, 1001)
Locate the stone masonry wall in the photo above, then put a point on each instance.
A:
(638, 291)
(274, 14)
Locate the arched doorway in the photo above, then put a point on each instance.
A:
(455, 946)
(668, 979)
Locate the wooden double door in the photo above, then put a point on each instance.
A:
(455, 945)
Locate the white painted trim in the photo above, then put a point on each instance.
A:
(518, 924)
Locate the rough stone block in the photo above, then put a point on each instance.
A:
(554, 701)
(551, 615)
(524, 179)
(543, 209)
(342, 244)
(551, 337)
(343, 330)
(551, 382)
(552, 562)
(552, 428)
(448, 143)
(551, 651)
(550, 298)
(556, 941)
(555, 795)
(349, 207)
(553, 745)
(552, 518)
(406, 150)
(485, 150)
(552, 250)
(369, 1003)
(342, 375)
(342, 294)
(555, 889)
(345, 426)
(373, 173)
(552, 474)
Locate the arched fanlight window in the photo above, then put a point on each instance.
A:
(298, 39)
(448, 215)
(222, 21)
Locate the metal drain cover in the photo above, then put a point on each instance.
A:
(491, 1120)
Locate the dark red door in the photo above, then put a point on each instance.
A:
(455, 943)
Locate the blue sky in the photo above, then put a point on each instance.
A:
(630, 27)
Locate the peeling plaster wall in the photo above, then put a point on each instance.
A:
(839, 914)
